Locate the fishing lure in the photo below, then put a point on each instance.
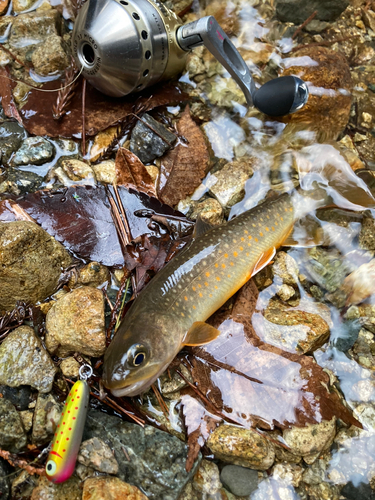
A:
(68, 435)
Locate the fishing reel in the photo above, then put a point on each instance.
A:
(126, 46)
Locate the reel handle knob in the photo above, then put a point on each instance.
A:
(277, 97)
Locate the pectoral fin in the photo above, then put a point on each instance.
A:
(201, 227)
(200, 333)
(264, 259)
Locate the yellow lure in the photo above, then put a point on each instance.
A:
(68, 435)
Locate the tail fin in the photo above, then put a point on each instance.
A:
(322, 166)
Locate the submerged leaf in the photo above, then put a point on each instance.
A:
(80, 218)
(101, 111)
(131, 172)
(254, 383)
(184, 166)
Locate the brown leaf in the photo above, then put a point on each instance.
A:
(199, 424)
(131, 172)
(101, 111)
(254, 383)
(186, 164)
(10, 212)
(80, 218)
(9, 106)
(149, 254)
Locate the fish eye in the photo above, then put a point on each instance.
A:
(136, 355)
(51, 467)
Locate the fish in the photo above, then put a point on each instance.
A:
(173, 308)
(62, 457)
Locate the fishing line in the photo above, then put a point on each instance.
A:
(45, 90)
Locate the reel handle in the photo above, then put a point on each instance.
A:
(277, 97)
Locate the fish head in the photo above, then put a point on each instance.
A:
(140, 351)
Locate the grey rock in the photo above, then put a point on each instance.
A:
(24, 361)
(146, 144)
(4, 480)
(49, 56)
(367, 234)
(30, 263)
(98, 455)
(23, 485)
(23, 181)
(34, 151)
(46, 416)
(157, 459)
(12, 435)
(11, 137)
(239, 480)
(18, 396)
(362, 491)
(297, 11)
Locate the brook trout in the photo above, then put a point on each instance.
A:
(171, 311)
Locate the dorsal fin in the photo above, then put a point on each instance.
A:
(201, 227)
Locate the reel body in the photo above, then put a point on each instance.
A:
(124, 46)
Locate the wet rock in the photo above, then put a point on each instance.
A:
(84, 472)
(18, 396)
(367, 234)
(229, 187)
(93, 274)
(366, 315)
(23, 485)
(286, 292)
(76, 323)
(98, 455)
(364, 349)
(171, 384)
(326, 268)
(157, 459)
(4, 480)
(242, 447)
(297, 12)
(207, 479)
(311, 440)
(296, 329)
(24, 361)
(20, 182)
(323, 491)
(34, 151)
(286, 268)
(361, 491)
(238, 480)
(12, 435)
(46, 490)
(11, 137)
(346, 340)
(316, 473)
(49, 56)
(46, 417)
(101, 142)
(27, 419)
(288, 473)
(326, 113)
(70, 368)
(210, 211)
(77, 170)
(30, 263)
(365, 413)
(105, 171)
(148, 145)
(21, 5)
(110, 488)
(34, 27)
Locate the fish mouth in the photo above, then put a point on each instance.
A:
(132, 389)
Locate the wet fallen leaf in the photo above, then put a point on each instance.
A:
(149, 254)
(199, 424)
(184, 167)
(360, 284)
(10, 212)
(101, 111)
(256, 384)
(80, 218)
(131, 172)
(7, 102)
